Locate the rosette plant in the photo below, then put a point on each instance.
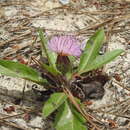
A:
(61, 53)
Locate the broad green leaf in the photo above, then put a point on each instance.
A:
(103, 59)
(69, 119)
(77, 114)
(91, 50)
(49, 68)
(53, 103)
(51, 56)
(15, 69)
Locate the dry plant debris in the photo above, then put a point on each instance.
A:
(19, 20)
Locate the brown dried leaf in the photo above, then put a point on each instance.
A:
(87, 102)
(112, 123)
(26, 117)
(9, 109)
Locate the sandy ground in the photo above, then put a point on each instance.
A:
(19, 20)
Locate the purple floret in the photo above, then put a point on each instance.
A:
(65, 45)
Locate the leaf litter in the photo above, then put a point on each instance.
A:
(19, 22)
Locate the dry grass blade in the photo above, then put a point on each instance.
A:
(113, 15)
(87, 117)
(11, 124)
(29, 61)
(16, 38)
(112, 20)
(7, 117)
(95, 26)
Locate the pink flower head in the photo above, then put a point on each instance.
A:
(65, 45)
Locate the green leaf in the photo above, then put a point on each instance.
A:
(49, 68)
(69, 119)
(53, 103)
(73, 62)
(103, 59)
(15, 69)
(91, 50)
(51, 56)
(68, 75)
(72, 59)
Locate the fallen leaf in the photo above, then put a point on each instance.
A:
(26, 117)
(112, 123)
(8, 58)
(9, 109)
(87, 102)
(22, 60)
